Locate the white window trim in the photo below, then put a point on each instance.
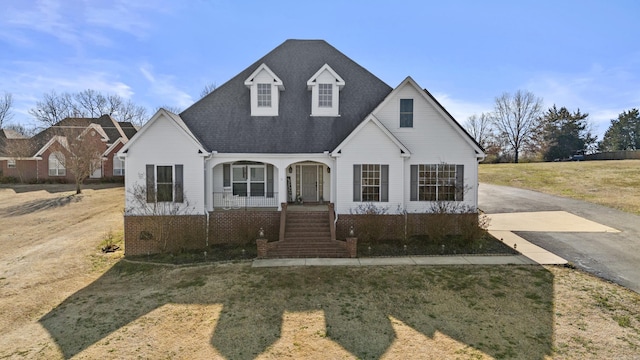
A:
(322, 76)
(248, 180)
(59, 169)
(264, 75)
(11, 163)
(119, 169)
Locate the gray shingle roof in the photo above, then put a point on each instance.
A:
(222, 120)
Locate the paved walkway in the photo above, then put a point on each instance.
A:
(406, 260)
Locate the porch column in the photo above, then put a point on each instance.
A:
(282, 184)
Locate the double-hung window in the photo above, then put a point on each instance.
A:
(371, 183)
(165, 183)
(118, 166)
(406, 113)
(325, 95)
(11, 163)
(249, 179)
(264, 95)
(437, 182)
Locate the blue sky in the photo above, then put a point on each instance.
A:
(579, 54)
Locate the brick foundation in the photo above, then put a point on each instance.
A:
(242, 227)
(164, 234)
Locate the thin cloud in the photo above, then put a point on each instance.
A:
(462, 109)
(162, 86)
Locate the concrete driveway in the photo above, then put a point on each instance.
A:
(597, 239)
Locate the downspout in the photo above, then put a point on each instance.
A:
(206, 212)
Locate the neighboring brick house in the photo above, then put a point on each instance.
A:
(35, 159)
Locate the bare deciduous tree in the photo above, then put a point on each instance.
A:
(5, 108)
(81, 150)
(516, 119)
(479, 127)
(173, 109)
(208, 89)
(160, 219)
(87, 103)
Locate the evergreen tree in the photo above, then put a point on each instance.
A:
(565, 133)
(623, 133)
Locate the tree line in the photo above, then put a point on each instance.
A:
(89, 103)
(519, 126)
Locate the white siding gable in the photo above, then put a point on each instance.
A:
(370, 145)
(433, 139)
(163, 142)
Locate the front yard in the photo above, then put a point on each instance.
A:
(61, 297)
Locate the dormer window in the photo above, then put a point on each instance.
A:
(264, 95)
(325, 92)
(265, 89)
(325, 86)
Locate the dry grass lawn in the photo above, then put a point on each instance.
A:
(610, 183)
(60, 297)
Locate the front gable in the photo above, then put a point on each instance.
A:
(371, 133)
(415, 117)
(162, 130)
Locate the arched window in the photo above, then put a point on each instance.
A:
(56, 164)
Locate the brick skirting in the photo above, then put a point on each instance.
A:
(164, 234)
(150, 235)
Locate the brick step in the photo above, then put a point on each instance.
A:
(307, 225)
(308, 250)
(306, 235)
(308, 239)
(308, 221)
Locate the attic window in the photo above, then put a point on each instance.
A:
(264, 95)
(264, 87)
(325, 86)
(325, 93)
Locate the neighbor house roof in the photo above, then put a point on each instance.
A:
(110, 129)
(222, 120)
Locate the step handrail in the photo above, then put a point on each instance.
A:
(283, 220)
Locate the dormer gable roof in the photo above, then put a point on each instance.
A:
(265, 68)
(312, 81)
(223, 122)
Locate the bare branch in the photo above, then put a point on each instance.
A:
(5, 108)
(208, 89)
(516, 119)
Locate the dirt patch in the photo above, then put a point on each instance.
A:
(61, 297)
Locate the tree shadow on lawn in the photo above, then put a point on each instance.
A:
(503, 311)
(40, 205)
(58, 188)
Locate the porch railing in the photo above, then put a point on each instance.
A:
(228, 201)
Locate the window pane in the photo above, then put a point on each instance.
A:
(325, 95)
(165, 192)
(240, 189)
(239, 174)
(264, 95)
(164, 174)
(370, 182)
(164, 183)
(257, 174)
(406, 112)
(257, 189)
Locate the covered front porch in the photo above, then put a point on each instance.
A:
(250, 184)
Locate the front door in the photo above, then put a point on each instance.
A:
(309, 183)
